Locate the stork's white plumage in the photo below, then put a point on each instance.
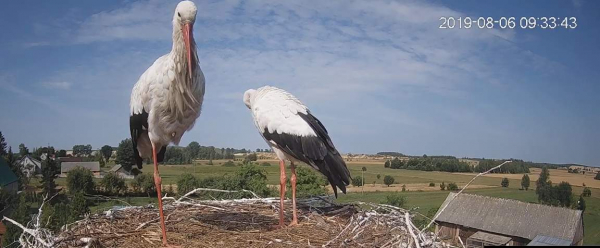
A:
(167, 99)
(296, 135)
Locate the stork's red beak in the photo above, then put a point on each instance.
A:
(188, 38)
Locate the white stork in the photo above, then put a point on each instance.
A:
(167, 99)
(296, 135)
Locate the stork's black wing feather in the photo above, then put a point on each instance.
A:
(317, 151)
(138, 124)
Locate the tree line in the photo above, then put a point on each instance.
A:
(453, 164)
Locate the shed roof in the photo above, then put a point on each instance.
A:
(542, 240)
(116, 168)
(511, 217)
(67, 166)
(27, 158)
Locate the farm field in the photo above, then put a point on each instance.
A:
(555, 175)
(419, 195)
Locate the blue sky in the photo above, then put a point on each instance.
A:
(380, 75)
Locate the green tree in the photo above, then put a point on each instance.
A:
(113, 183)
(388, 180)
(186, 183)
(564, 194)
(443, 186)
(49, 173)
(79, 206)
(587, 192)
(2, 145)
(193, 149)
(597, 177)
(581, 204)
(250, 157)
(504, 182)
(386, 164)
(106, 151)
(80, 180)
(525, 182)
(23, 150)
(20, 214)
(452, 186)
(357, 181)
(62, 153)
(125, 156)
(378, 176)
(144, 183)
(395, 199)
(82, 150)
(431, 184)
(308, 183)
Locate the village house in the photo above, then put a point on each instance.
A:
(121, 172)
(486, 221)
(65, 167)
(30, 166)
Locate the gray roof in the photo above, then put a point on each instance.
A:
(67, 166)
(116, 168)
(511, 217)
(542, 240)
(36, 162)
(490, 238)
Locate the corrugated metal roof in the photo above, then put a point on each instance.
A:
(6, 175)
(491, 238)
(67, 166)
(510, 217)
(542, 240)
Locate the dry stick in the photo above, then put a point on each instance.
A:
(410, 230)
(34, 233)
(463, 244)
(349, 223)
(216, 190)
(459, 192)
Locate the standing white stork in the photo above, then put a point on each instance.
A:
(167, 99)
(296, 135)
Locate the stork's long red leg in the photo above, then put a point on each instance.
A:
(157, 182)
(281, 191)
(293, 181)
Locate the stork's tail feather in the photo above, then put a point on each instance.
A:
(338, 174)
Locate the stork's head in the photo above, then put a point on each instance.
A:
(184, 18)
(248, 96)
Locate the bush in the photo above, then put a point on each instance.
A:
(587, 192)
(357, 181)
(504, 182)
(442, 186)
(597, 177)
(431, 184)
(186, 183)
(396, 199)
(113, 184)
(388, 180)
(229, 164)
(308, 183)
(452, 186)
(80, 180)
(79, 206)
(378, 176)
(265, 164)
(144, 183)
(386, 164)
(403, 187)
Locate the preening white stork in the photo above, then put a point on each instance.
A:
(167, 99)
(296, 135)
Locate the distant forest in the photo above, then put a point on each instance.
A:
(452, 164)
(185, 155)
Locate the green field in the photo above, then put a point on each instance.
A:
(423, 201)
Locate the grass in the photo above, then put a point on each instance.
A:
(423, 201)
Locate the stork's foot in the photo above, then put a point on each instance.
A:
(171, 246)
(294, 223)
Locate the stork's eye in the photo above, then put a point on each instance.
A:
(178, 14)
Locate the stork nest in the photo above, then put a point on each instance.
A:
(249, 223)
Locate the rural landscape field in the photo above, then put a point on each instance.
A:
(420, 196)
